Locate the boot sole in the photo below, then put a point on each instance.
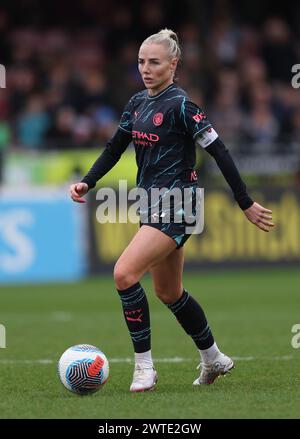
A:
(230, 367)
(149, 389)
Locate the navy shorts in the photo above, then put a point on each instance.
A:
(176, 230)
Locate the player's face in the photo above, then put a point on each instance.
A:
(156, 68)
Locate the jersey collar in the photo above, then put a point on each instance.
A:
(161, 92)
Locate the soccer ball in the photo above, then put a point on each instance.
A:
(83, 369)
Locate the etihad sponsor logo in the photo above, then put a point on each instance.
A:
(145, 136)
(158, 119)
(199, 117)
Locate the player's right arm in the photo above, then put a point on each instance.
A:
(108, 158)
(104, 163)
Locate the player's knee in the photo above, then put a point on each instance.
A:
(166, 295)
(123, 278)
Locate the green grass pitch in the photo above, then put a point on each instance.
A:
(250, 312)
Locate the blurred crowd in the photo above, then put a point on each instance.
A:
(66, 86)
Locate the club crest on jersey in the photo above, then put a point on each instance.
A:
(158, 119)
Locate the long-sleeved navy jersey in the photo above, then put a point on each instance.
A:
(165, 130)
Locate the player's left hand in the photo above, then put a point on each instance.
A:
(260, 216)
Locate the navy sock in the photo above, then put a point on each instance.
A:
(191, 316)
(136, 313)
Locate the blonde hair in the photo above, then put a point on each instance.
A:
(169, 39)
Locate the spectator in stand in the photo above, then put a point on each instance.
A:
(229, 60)
(260, 125)
(33, 123)
(278, 49)
(59, 134)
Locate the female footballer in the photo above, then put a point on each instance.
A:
(165, 127)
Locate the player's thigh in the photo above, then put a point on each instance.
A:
(167, 276)
(147, 248)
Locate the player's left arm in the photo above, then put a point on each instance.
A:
(194, 121)
(256, 214)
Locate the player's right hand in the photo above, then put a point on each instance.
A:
(77, 191)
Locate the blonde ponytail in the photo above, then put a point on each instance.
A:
(168, 38)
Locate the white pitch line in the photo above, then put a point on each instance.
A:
(61, 316)
(45, 361)
(156, 360)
